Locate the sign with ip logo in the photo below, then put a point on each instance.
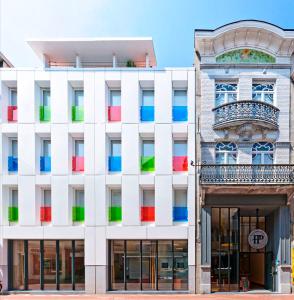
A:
(257, 239)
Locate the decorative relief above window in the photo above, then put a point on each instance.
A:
(245, 56)
(225, 93)
(263, 92)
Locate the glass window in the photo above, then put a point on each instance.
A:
(147, 148)
(180, 265)
(115, 146)
(226, 153)
(180, 98)
(148, 198)
(14, 151)
(180, 148)
(165, 265)
(115, 198)
(180, 198)
(79, 266)
(14, 198)
(47, 148)
(79, 148)
(263, 153)
(133, 269)
(13, 97)
(263, 92)
(149, 265)
(46, 198)
(65, 265)
(225, 93)
(115, 98)
(78, 97)
(147, 98)
(34, 265)
(49, 265)
(79, 198)
(18, 265)
(45, 97)
(117, 265)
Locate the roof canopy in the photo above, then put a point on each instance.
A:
(95, 51)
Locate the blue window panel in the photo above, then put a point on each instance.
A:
(147, 113)
(180, 113)
(114, 163)
(45, 164)
(12, 164)
(180, 214)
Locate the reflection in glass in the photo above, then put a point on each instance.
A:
(117, 265)
(165, 265)
(65, 265)
(133, 265)
(18, 265)
(180, 265)
(148, 265)
(34, 265)
(79, 265)
(50, 265)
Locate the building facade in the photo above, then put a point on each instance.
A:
(119, 176)
(244, 140)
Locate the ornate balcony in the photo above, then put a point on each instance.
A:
(247, 174)
(238, 113)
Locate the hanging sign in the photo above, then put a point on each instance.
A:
(257, 239)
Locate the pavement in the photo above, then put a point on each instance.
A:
(239, 296)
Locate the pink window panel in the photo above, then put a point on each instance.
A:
(114, 113)
(180, 163)
(12, 113)
(78, 163)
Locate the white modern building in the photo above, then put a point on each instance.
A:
(97, 172)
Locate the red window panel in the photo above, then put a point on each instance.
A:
(114, 113)
(78, 163)
(12, 113)
(45, 214)
(148, 214)
(180, 163)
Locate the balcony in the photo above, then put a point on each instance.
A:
(12, 113)
(78, 163)
(180, 113)
(12, 164)
(114, 113)
(115, 214)
(147, 163)
(45, 214)
(12, 214)
(147, 113)
(114, 163)
(247, 174)
(78, 214)
(77, 113)
(238, 113)
(148, 214)
(45, 164)
(180, 163)
(45, 113)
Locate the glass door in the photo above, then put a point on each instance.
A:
(225, 250)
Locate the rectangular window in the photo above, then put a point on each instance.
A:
(78, 213)
(45, 210)
(115, 148)
(45, 159)
(14, 148)
(13, 97)
(115, 98)
(13, 156)
(45, 110)
(45, 101)
(147, 148)
(78, 106)
(115, 210)
(13, 206)
(147, 158)
(78, 157)
(180, 148)
(180, 110)
(180, 98)
(180, 160)
(180, 211)
(225, 93)
(79, 148)
(79, 97)
(148, 98)
(114, 160)
(148, 209)
(46, 148)
(263, 92)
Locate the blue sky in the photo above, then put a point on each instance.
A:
(171, 23)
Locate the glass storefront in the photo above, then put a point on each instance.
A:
(148, 265)
(46, 265)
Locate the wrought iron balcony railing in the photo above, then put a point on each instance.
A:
(240, 112)
(247, 174)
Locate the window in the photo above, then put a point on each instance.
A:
(78, 157)
(45, 210)
(263, 92)
(180, 148)
(262, 153)
(46, 149)
(45, 101)
(45, 111)
(45, 159)
(226, 153)
(13, 97)
(14, 147)
(180, 111)
(148, 209)
(115, 148)
(180, 98)
(79, 148)
(78, 212)
(225, 93)
(78, 106)
(114, 162)
(147, 107)
(13, 156)
(78, 97)
(147, 159)
(180, 211)
(12, 106)
(114, 109)
(115, 96)
(147, 98)
(13, 206)
(180, 160)
(115, 210)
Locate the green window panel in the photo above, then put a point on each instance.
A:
(45, 113)
(12, 214)
(115, 214)
(77, 113)
(78, 214)
(148, 163)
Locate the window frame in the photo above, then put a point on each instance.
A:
(263, 93)
(11, 91)
(110, 101)
(174, 97)
(226, 153)
(226, 92)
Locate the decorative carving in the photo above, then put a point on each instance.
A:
(247, 174)
(245, 56)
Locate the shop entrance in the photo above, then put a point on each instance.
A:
(235, 265)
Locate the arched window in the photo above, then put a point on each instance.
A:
(262, 153)
(225, 93)
(226, 153)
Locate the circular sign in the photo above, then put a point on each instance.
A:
(257, 239)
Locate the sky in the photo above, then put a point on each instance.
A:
(170, 23)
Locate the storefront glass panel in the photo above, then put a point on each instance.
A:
(149, 263)
(18, 265)
(79, 266)
(50, 265)
(180, 265)
(165, 265)
(65, 265)
(34, 265)
(133, 266)
(117, 265)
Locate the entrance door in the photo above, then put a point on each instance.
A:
(225, 250)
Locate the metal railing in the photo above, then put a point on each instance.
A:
(247, 174)
(246, 110)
